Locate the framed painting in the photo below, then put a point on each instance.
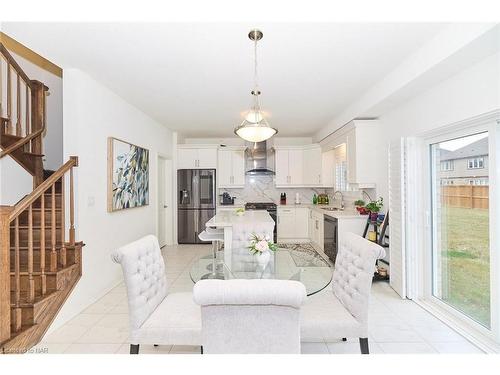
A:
(128, 175)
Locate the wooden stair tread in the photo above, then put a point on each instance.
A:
(28, 153)
(23, 301)
(37, 227)
(47, 272)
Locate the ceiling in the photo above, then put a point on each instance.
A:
(196, 78)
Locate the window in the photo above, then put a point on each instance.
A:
(460, 235)
(447, 165)
(475, 163)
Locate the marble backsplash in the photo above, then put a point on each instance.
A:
(262, 189)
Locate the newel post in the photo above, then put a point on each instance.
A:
(5, 272)
(38, 122)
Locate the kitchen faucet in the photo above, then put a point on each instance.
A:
(341, 198)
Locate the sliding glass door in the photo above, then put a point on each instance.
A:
(460, 212)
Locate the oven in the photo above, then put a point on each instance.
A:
(331, 237)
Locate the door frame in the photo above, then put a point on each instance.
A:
(170, 210)
(487, 339)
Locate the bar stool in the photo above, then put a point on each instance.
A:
(216, 236)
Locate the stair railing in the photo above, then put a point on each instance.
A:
(22, 271)
(22, 109)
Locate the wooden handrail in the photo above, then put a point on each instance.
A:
(22, 142)
(16, 66)
(43, 187)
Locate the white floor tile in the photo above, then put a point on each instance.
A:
(314, 348)
(104, 335)
(456, 348)
(406, 348)
(396, 332)
(49, 348)
(92, 348)
(185, 349)
(66, 334)
(352, 348)
(85, 320)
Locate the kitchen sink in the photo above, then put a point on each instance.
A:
(331, 209)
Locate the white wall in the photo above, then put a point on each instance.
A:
(473, 91)
(92, 113)
(15, 182)
(53, 138)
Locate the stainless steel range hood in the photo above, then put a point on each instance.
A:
(257, 159)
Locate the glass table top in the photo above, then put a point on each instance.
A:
(307, 267)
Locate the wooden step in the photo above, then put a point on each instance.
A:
(72, 256)
(31, 311)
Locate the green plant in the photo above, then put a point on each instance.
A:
(375, 206)
(359, 203)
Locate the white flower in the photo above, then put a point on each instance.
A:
(262, 246)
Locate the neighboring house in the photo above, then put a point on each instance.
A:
(467, 165)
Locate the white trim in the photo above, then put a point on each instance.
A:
(488, 340)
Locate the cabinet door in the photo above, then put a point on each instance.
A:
(238, 168)
(286, 223)
(224, 168)
(186, 158)
(301, 223)
(328, 169)
(312, 162)
(351, 157)
(207, 158)
(281, 170)
(295, 166)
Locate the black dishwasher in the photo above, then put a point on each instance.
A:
(331, 237)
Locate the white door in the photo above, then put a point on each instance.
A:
(295, 162)
(281, 159)
(187, 158)
(224, 171)
(165, 217)
(238, 168)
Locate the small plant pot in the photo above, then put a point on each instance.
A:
(373, 216)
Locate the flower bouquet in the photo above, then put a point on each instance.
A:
(261, 248)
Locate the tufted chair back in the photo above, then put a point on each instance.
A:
(144, 273)
(250, 316)
(353, 274)
(242, 235)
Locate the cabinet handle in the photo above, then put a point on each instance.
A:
(319, 178)
(317, 224)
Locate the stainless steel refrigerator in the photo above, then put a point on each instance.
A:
(195, 202)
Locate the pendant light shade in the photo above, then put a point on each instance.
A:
(255, 127)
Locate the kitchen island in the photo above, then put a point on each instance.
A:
(227, 219)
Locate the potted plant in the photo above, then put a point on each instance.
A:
(374, 207)
(360, 206)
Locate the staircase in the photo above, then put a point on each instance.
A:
(39, 263)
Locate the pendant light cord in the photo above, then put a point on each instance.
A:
(256, 78)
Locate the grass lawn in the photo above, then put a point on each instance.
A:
(466, 261)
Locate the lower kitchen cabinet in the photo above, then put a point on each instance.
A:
(293, 224)
(317, 232)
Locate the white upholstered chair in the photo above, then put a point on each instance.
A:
(250, 316)
(156, 317)
(344, 313)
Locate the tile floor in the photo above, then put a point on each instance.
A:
(396, 326)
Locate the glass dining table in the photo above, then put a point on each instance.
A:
(285, 264)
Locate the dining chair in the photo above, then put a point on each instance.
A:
(343, 312)
(250, 316)
(156, 316)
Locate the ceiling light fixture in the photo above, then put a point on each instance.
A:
(255, 127)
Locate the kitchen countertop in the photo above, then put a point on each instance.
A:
(345, 214)
(228, 218)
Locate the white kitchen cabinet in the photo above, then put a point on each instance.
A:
(328, 169)
(196, 157)
(312, 166)
(293, 224)
(231, 168)
(318, 229)
(363, 142)
(288, 167)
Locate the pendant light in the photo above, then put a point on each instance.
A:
(255, 127)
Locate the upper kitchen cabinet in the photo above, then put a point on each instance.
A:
(361, 142)
(288, 168)
(300, 166)
(196, 157)
(231, 167)
(328, 169)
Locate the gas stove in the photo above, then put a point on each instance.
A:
(260, 206)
